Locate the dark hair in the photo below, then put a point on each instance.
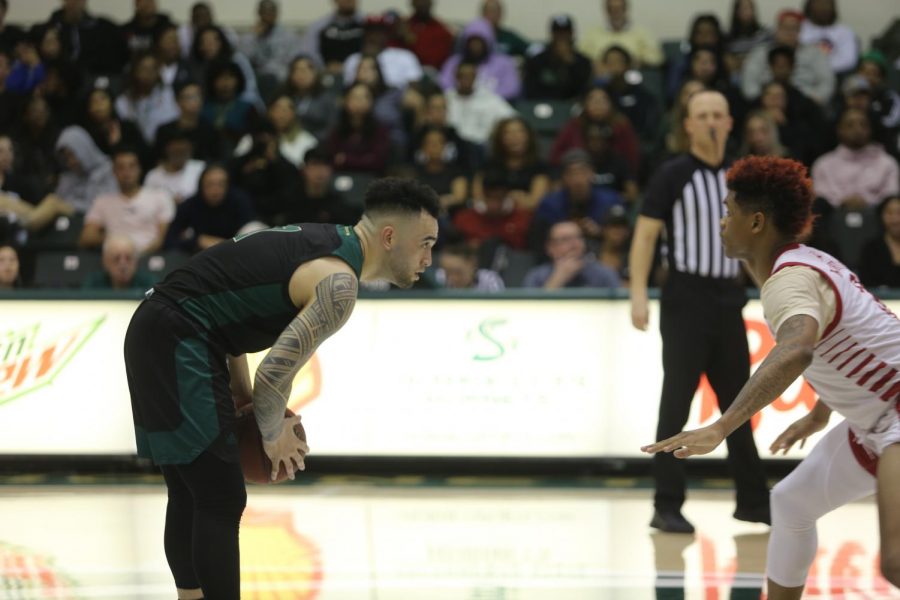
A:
(712, 20)
(381, 87)
(219, 68)
(210, 167)
(181, 85)
(494, 179)
(739, 29)
(317, 154)
(121, 149)
(4, 4)
(785, 51)
(882, 206)
(717, 57)
(392, 194)
(369, 125)
(226, 51)
(317, 87)
(777, 187)
(133, 67)
(834, 11)
(621, 50)
(498, 151)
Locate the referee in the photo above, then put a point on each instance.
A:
(700, 308)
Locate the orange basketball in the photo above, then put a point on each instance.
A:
(254, 461)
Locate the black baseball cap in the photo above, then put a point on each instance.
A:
(562, 23)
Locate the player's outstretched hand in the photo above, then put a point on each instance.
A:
(289, 449)
(797, 431)
(689, 443)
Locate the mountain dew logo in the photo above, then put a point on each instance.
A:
(28, 362)
(22, 570)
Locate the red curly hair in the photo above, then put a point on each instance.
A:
(778, 187)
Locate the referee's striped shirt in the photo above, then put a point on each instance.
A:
(689, 196)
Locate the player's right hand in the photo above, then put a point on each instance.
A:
(797, 431)
(640, 313)
(289, 449)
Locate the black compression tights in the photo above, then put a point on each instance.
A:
(206, 500)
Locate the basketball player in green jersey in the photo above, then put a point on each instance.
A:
(287, 289)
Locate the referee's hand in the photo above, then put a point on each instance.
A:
(640, 313)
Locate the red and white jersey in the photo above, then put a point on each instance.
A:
(856, 366)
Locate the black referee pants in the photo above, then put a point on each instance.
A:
(703, 332)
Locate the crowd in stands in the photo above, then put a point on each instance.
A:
(147, 141)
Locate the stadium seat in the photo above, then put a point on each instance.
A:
(546, 117)
(161, 264)
(851, 229)
(61, 235)
(55, 269)
(352, 186)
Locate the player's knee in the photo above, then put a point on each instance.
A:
(789, 507)
(890, 567)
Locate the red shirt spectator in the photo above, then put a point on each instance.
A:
(426, 36)
(495, 217)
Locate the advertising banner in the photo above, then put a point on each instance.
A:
(405, 377)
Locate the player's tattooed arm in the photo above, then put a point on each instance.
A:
(793, 352)
(330, 307)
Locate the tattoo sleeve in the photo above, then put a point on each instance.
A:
(792, 353)
(333, 301)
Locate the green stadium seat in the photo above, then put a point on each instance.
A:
(55, 269)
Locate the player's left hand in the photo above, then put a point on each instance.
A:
(689, 443)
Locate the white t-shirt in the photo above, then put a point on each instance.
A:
(180, 185)
(138, 217)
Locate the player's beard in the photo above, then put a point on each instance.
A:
(400, 273)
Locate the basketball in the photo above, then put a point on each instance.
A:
(255, 463)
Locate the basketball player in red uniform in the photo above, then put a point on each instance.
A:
(847, 345)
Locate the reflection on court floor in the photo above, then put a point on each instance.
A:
(377, 542)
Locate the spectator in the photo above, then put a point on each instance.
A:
(201, 16)
(559, 72)
(10, 278)
(508, 41)
(107, 129)
(333, 38)
(745, 35)
(145, 27)
(359, 142)
(225, 108)
(293, 140)
(120, 268)
(570, 264)
(313, 101)
(205, 139)
(217, 212)
(858, 173)
(264, 174)
(22, 195)
(620, 31)
(133, 211)
(174, 70)
(812, 75)
(496, 73)
(674, 136)
(95, 44)
(579, 199)
(270, 46)
(10, 102)
(178, 172)
(27, 71)
(35, 137)
(599, 109)
(399, 66)
(146, 101)
(388, 107)
(440, 173)
(62, 82)
(87, 173)
(496, 217)
(800, 130)
(434, 116)
(610, 170)
(761, 136)
(706, 66)
(705, 32)
(885, 101)
(514, 158)
(426, 35)
(49, 44)
(837, 41)
(316, 200)
(880, 260)
(615, 240)
(631, 98)
(211, 48)
(459, 271)
(474, 111)
(10, 35)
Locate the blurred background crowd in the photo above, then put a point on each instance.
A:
(127, 147)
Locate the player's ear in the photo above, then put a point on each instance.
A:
(759, 221)
(388, 235)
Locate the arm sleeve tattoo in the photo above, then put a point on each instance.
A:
(334, 299)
